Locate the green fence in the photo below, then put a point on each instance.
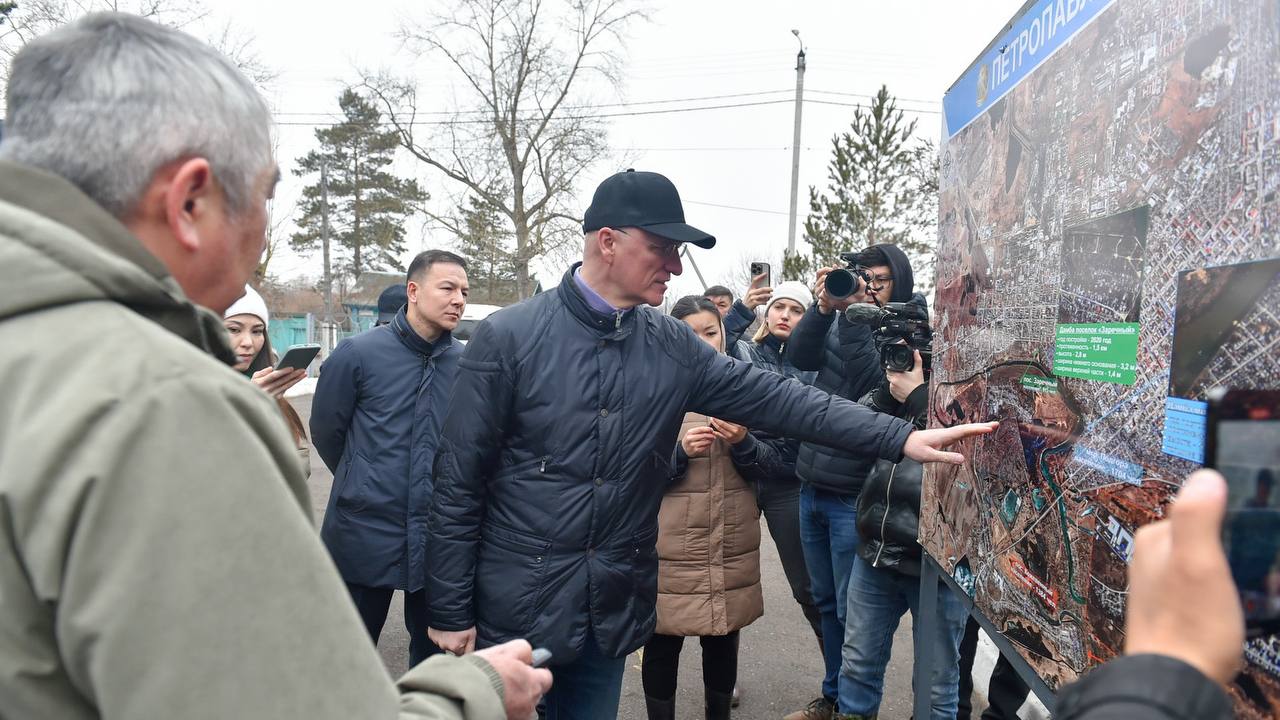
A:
(288, 330)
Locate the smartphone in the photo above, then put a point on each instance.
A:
(1242, 441)
(541, 656)
(761, 268)
(298, 357)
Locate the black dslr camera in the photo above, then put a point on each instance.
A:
(896, 322)
(848, 281)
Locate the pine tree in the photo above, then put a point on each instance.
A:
(882, 188)
(485, 241)
(367, 205)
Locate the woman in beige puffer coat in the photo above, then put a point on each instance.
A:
(708, 547)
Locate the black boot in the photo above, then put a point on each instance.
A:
(719, 705)
(661, 709)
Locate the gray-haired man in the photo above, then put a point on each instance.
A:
(157, 556)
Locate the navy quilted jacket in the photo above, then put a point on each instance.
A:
(848, 365)
(375, 420)
(553, 461)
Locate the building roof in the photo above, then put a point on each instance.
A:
(365, 291)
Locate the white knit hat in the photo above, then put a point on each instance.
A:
(791, 290)
(250, 303)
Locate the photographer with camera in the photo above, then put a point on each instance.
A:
(848, 364)
(884, 581)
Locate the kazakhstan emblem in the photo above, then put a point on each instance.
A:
(982, 85)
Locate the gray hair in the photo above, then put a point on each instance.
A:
(108, 100)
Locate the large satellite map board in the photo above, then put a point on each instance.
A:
(1108, 240)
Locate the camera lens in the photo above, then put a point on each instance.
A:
(898, 358)
(841, 283)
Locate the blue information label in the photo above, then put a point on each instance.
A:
(1184, 428)
(1035, 36)
(1113, 466)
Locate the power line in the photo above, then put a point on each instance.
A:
(704, 70)
(775, 148)
(736, 207)
(563, 118)
(636, 113)
(788, 51)
(854, 105)
(687, 59)
(745, 148)
(332, 113)
(870, 97)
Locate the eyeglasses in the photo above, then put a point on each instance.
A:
(877, 282)
(661, 249)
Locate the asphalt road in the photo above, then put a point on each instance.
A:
(779, 667)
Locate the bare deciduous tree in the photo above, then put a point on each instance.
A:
(239, 44)
(525, 68)
(29, 19)
(276, 224)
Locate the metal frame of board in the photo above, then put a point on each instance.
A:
(931, 579)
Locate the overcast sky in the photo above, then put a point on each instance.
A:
(738, 157)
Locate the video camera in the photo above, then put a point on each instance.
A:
(896, 321)
(847, 281)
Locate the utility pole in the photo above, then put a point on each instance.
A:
(327, 331)
(795, 147)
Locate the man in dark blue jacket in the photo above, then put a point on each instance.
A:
(375, 421)
(848, 365)
(720, 296)
(558, 440)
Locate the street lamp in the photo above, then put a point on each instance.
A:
(795, 146)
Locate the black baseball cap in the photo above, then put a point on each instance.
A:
(645, 200)
(390, 302)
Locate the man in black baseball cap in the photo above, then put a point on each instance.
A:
(557, 448)
(645, 200)
(634, 229)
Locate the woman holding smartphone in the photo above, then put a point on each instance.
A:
(779, 494)
(246, 324)
(708, 546)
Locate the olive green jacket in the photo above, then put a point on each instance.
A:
(157, 553)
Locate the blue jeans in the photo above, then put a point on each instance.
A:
(877, 600)
(588, 688)
(829, 533)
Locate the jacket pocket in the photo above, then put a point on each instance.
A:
(644, 574)
(352, 490)
(531, 466)
(849, 500)
(673, 527)
(510, 578)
